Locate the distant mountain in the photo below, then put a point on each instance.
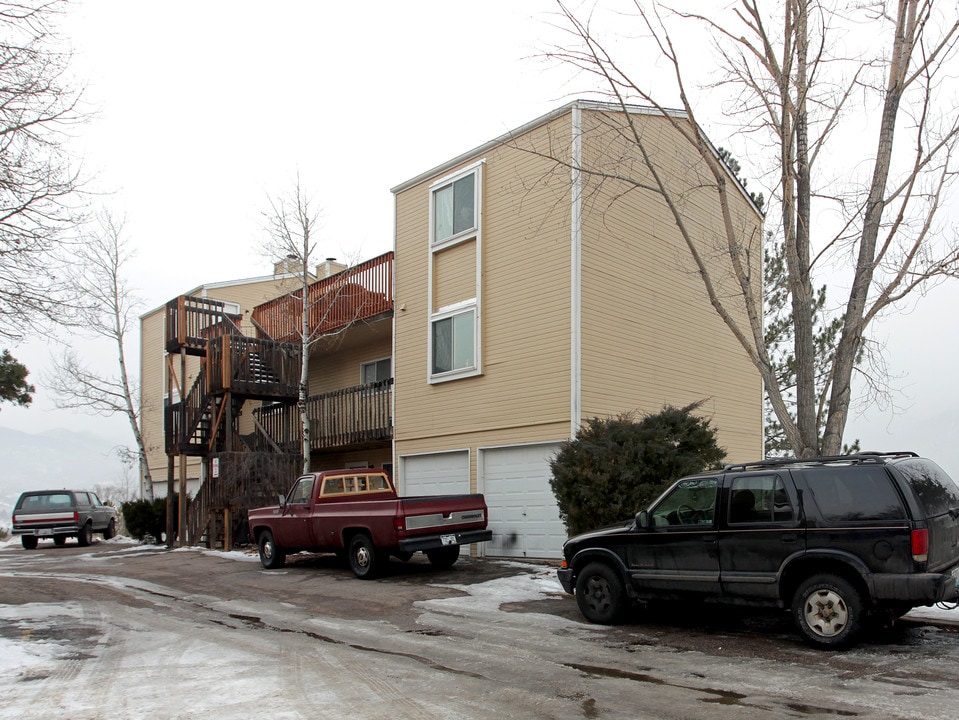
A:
(57, 459)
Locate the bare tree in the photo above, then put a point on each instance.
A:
(291, 224)
(799, 90)
(110, 313)
(38, 182)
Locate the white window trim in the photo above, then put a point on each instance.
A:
(475, 303)
(449, 311)
(474, 169)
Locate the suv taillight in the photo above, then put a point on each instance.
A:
(920, 545)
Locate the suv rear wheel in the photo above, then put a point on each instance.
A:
(600, 594)
(828, 610)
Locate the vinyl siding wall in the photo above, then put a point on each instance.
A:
(523, 392)
(650, 335)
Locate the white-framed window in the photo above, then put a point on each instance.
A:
(455, 207)
(456, 220)
(453, 342)
(376, 371)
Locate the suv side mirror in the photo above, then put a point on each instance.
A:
(642, 519)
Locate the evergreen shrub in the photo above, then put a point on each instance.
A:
(616, 466)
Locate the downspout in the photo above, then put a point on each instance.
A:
(576, 269)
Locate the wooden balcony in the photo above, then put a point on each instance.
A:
(362, 292)
(252, 368)
(352, 417)
(191, 321)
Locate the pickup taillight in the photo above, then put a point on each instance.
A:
(76, 516)
(920, 545)
(398, 524)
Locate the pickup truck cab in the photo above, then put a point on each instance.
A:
(358, 515)
(836, 540)
(59, 514)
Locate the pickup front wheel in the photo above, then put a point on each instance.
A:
(365, 562)
(271, 556)
(85, 536)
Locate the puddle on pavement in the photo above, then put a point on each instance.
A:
(718, 697)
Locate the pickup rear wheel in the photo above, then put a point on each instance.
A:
(828, 610)
(29, 542)
(600, 594)
(365, 561)
(85, 536)
(444, 558)
(271, 556)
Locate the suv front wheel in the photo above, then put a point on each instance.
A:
(600, 594)
(828, 610)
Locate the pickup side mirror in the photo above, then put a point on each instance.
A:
(281, 500)
(642, 519)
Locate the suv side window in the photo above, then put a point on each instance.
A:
(850, 494)
(935, 489)
(759, 499)
(691, 502)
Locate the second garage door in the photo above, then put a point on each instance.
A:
(444, 473)
(523, 513)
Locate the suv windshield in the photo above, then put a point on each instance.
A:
(937, 491)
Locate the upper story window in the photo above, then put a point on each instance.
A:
(455, 207)
(453, 343)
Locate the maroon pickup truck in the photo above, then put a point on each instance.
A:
(358, 515)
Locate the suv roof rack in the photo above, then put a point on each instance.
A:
(854, 459)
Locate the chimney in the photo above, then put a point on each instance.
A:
(290, 265)
(329, 267)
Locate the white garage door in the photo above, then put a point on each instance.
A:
(445, 473)
(523, 513)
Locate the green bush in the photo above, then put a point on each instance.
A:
(147, 517)
(615, 467)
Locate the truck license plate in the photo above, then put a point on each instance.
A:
(448, 539)
(45, 532)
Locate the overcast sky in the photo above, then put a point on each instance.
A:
(203, 109)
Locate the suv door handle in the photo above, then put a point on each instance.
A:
(789, 538)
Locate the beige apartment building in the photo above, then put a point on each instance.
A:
(530, 296)
(528, 290)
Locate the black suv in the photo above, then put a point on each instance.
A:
(834, 539)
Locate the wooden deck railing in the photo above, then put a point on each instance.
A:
(191, 321)
(358, 293)
(342, 418)
(254, 368)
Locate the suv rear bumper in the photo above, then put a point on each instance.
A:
(919, 588)
(46, 532)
